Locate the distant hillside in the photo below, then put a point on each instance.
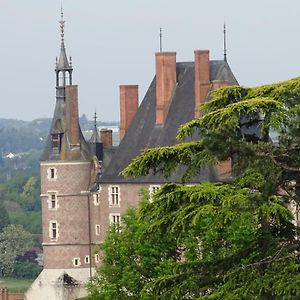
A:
(22, 136)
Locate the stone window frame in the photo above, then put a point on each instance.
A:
(96, 198)
(50, 200)
(97, 258)
(112, 218)
(52, 174)
(53, 237)
(87, 259)
(97, 229)
(76, 262)
(153, 188)
(114, 196)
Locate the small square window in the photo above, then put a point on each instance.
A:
(76, 261)
(115, 219)
(87, 259)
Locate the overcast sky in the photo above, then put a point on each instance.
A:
(114, 42)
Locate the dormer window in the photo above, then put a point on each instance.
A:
(56, 142)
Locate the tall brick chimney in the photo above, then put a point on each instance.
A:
(106, 136)
(129, 104)
(202, 78)
(71, 93)
(165, 83)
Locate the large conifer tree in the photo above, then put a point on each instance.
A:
(234, 239)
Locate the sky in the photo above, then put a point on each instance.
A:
(114, 42)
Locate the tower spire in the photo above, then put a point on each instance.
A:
(224, 39)
(63, 66)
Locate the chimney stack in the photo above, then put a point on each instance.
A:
(71, 93)
(129, 103)
(202, 78)
(165, 83)
(106, 136)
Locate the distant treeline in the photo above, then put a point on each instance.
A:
(19, 136)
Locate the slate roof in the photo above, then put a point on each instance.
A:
(59, 126)
(144, 133)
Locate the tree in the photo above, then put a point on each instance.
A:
(4, 218)
(236, 238)
(14, 241)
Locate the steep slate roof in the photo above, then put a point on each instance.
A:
(144, 133)
(59, 126)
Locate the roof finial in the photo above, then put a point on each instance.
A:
(160, 39)
(62, 26)
(95, 119)
(225, 47)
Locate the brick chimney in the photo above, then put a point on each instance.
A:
(106, 136)
(71, 93)
(202, 78)
(129, 103)
(165, 83)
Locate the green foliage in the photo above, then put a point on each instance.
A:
(14, 240)
(25, 270)
(30, 220)
(16, 285)
(4, 218)
(223, 240)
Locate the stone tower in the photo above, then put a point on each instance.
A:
(69, 171)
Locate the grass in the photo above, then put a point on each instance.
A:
(15, 285)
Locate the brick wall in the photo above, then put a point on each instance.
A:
(6, 295)
(72, 214)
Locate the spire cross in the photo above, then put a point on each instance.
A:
(225, 47)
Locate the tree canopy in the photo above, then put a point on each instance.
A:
(14, 241)
(233, 239)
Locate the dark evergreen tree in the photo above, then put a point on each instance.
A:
(225, 240)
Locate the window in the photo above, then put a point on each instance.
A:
(52, 200)
(152, 190)
(114, 218)
(87, 259)
(96, 199)
(53, 230)
(52, 173)
(97, 258)
(97, 229)
(114, 195)
(56, 142)
(76, 261)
